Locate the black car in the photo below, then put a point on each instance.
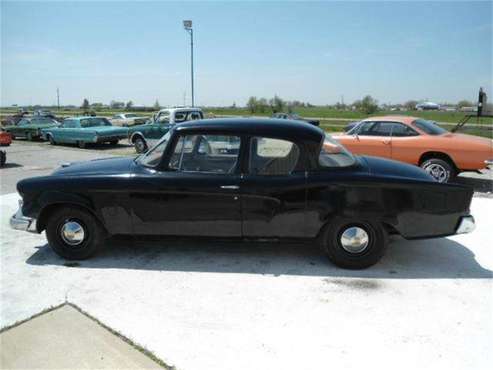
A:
(244, 178)
(295, 117)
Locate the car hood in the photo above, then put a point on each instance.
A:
(106, 166)
(388, 168)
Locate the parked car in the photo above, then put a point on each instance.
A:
(15, 118)
(128, 119)
(3, 157)
(31, 127)
(420, 142)
(5, 138)
(244, 178)
(146, 135)
(84, 130)
(296, 117)
(44, 113)
(351, 125)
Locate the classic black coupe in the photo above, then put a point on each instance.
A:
(244, 178)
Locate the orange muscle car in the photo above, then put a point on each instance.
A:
(420, 142)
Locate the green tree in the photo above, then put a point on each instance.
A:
(85, 104)
(262, 105)
(367, 106)
(276, 104)
(252, 104)
(465, 103)
(410, 105)
(129, 105)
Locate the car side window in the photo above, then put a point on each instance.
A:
(206, 154)
(381, 129)
(365, 128)
(401, 130)
(272, 157)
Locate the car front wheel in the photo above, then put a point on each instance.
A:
(439, 169)
(113, 142)
(81, 144)
(140, 145)
(354, 244)
(29, 136)
(74, 233)
(51, 140)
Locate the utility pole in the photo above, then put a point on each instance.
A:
(188, 27)
(58, 98)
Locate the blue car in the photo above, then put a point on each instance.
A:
(84, 130)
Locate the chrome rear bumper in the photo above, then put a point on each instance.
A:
(20, 222)
(466, 225)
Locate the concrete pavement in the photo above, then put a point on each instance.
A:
(67, 339)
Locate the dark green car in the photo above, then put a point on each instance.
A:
(31, 127)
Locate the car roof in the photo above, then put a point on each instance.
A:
(396, 118)
(78, 118)
(181, 109)
(270, 127)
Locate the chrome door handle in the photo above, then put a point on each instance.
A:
(231, 187)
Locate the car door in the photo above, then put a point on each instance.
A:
(273, 189)
(198, 194)
(406, 143)
(372, 138)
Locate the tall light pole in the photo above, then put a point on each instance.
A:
(188, 27)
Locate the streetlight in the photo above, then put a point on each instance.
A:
(188, 27)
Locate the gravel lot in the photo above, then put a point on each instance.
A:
(426, 305)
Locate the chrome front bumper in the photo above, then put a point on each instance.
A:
(489, 163)
(20, 222)
(466, 225)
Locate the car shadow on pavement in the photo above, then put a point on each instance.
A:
(433, 259)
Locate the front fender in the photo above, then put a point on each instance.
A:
(49, 201)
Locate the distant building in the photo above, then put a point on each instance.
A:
(428, 106)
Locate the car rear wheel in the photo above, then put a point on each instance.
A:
(140, 145)
(3, 158)
(440, 170)
(29, 136)
(113, 142)
(74, 233)
(354, 244)
(81, 144)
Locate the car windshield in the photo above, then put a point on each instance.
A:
(131, 115)
(94, 122)
(430, 127)
(333, 154)
(153, 156)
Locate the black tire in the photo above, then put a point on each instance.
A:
(51, 140)
(439, 169)
(372, 253)
(29, 136)
(113, 142)
(94, 233)
(140, 145)
(81, 144)
(3, 158)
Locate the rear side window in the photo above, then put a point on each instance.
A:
(401, 130)
(273, 157)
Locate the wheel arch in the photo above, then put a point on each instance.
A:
(54, 204)
(439, 155)
(135, 135)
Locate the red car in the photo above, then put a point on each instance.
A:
(5, 138)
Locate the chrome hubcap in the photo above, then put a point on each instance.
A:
(354, 239)
(437, 171)
(72, 233)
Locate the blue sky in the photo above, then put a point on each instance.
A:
(309, 51)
